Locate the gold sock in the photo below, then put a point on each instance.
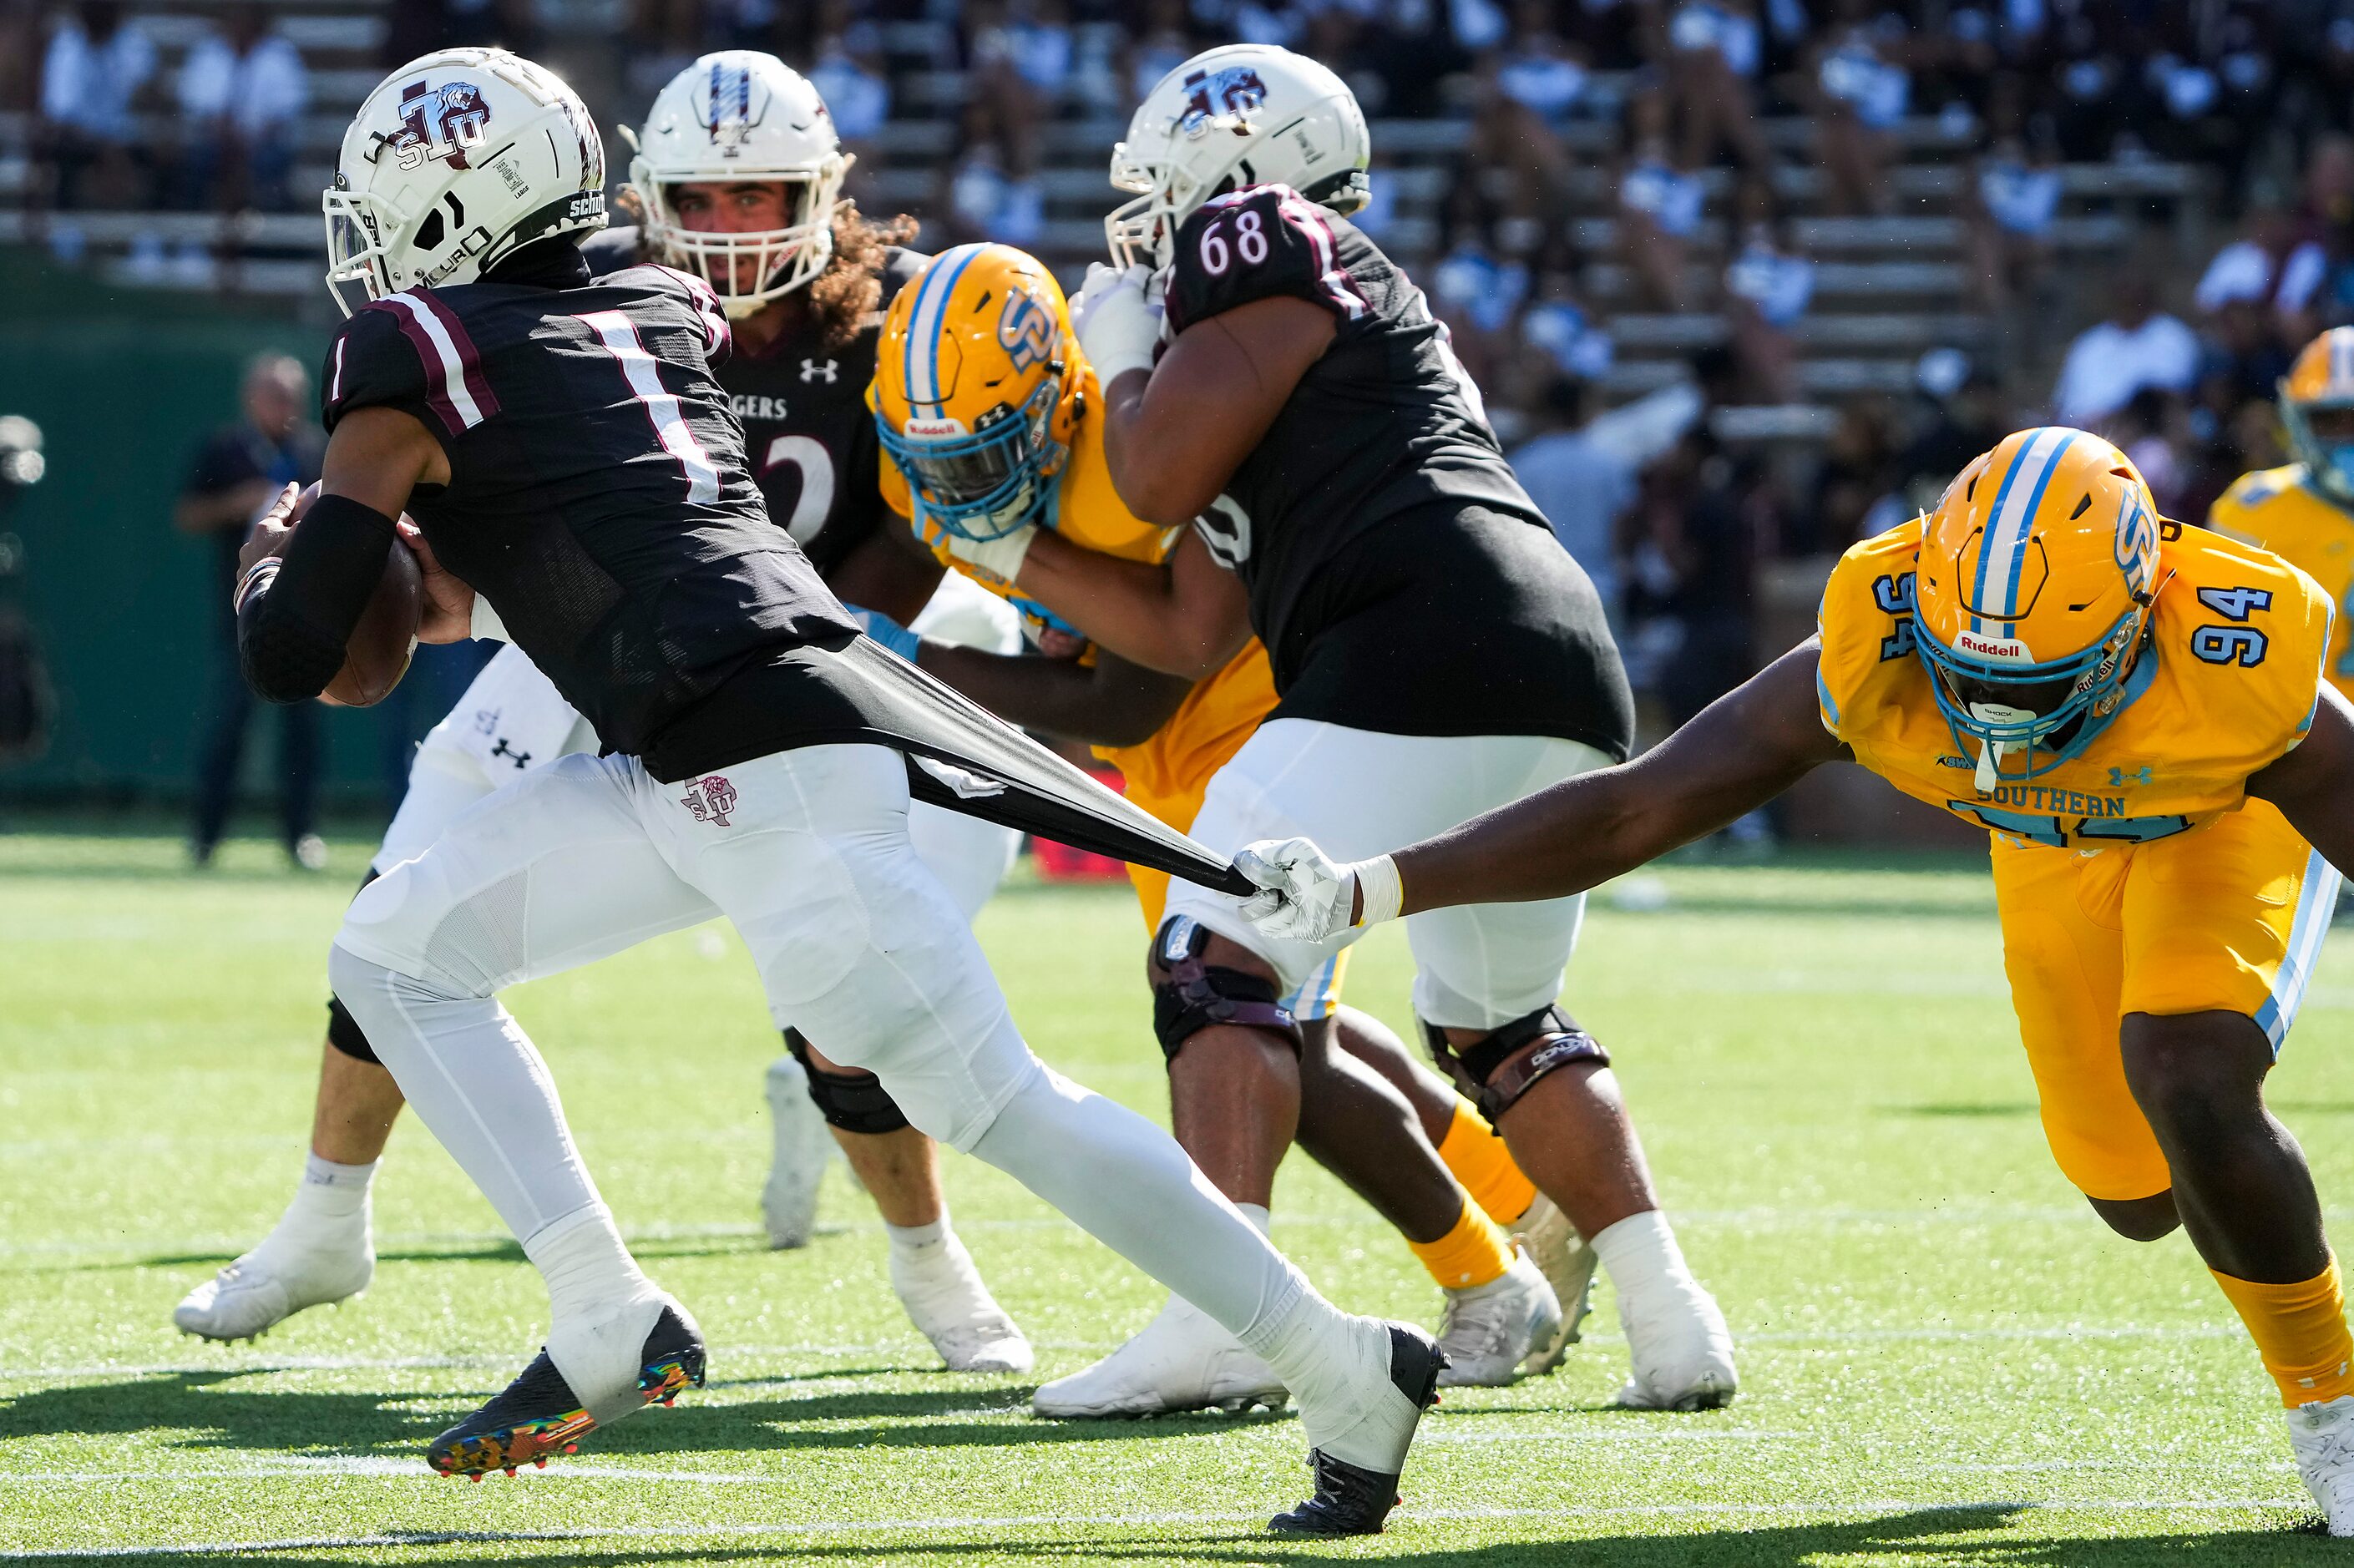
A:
(1475, 1154)
(1474, 1253)
(2300, 1333)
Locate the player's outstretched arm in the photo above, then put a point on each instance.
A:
(1744, 750)
(2314, 785)
(1109, 703)
(302, 590)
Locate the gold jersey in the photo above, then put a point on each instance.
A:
(2226, 684)
(2279, 510)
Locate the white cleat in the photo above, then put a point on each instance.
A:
(2322, 1435)
(1568, 1261)
(1360, 1424)
(1489, 1330)
(945, 1297)
(789, 1201)
(1680, 1348)
(1179, 1361)
(273, 1282)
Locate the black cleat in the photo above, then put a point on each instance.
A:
(538, 1414)
(1350, 1499)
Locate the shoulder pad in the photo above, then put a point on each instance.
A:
(1254, 244)
(408, 351)
(1865, 619)
(691, 290)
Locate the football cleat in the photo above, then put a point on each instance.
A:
(1357, 1467)
(1568, 1261)
(945, 1297)
(789, 1201)
(1490, 1329)
(1179, 1361)
(538, 1413)
(271, 1283)
(2322, 1437)
(1680, 1350)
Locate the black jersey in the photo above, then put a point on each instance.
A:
(1401, 578)
(599, 493)
(807, 429)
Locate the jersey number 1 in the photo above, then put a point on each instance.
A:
(619, 333)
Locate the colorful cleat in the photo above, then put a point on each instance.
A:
(538, 1414)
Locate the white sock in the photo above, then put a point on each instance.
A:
(1641, 1254)
(1126, 1182)
(909, 1241)
(331, 1199)
(585, 1264)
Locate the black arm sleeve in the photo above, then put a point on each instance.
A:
(290, 629)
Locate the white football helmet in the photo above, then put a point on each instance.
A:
(734, 116)
(1244, 114)
(456, 160)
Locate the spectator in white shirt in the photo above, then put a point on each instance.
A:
(90, 80)
(242, 93)
(2138, 346)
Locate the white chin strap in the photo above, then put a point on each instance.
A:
(1990, 751)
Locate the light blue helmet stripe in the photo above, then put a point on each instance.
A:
(923, 351)
(2026, 524)
(2010, 522)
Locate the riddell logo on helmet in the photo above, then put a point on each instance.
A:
(933, 430)
(2009, 650)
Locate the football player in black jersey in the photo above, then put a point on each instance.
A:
(574, 469)
(737, 177)
(1435, 651)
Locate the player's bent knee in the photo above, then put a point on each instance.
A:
(2139, 1219)
(851, 1101)
(1500, 1067)
(1190, 994)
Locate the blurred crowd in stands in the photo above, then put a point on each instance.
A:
(1612, 161)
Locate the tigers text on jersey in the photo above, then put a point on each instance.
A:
(599, 495)
(807, 431)
(2279, 510)
(1167, 773)
(1401, 578)
(2226, 684)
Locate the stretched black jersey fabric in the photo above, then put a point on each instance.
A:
(808, 433)
(598, 498)
(1401, 578)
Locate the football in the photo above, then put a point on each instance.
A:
(377, 654)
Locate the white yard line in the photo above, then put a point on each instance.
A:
(1135, 1520)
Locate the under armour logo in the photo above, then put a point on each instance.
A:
(2119, 778)
(829, 372)
(710, 799)
(522, 759)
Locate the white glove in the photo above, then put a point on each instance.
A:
(1116, 320)
(1000, 558)
(1304, 898)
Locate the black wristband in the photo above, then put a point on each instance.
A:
(291, 627)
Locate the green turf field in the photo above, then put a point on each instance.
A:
(1944, 1357)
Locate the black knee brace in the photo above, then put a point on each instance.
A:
(855, 1102)
(343, 1031)
(1188, 996)
(1506, 1063)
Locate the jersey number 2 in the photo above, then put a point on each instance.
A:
(816, 499)
(619, 333)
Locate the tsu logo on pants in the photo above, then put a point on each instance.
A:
(710, 799)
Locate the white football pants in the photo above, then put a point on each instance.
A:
(807, 854)
(1359, 793)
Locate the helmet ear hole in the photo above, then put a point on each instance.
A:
(429, 233)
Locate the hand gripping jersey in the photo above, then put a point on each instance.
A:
(1401, 578)
(807, 434)
(1166, 774)
(2280, 510)
(599, 493)
(2224, 685)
